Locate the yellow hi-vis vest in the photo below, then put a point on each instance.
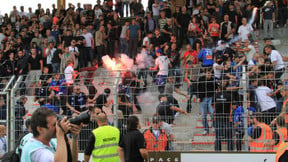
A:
(106, 143)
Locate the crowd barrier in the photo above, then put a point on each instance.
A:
(186, 132)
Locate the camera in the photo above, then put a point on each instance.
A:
(84, 118)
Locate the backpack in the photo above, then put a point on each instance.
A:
(12, 155)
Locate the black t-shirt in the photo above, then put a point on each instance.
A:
(131, 143)
(101, 101)
(56, 58)
(268, 13)
(157, 41)
(232, 15)
(166, 114)
(184, 20)
(35, 62)
(222, 106)
(175, 56)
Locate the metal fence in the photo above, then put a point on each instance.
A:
(205, 126)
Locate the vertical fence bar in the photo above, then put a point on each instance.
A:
(12, 112)
(244, 85)
(115, 98)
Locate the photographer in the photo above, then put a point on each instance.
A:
(41, 147)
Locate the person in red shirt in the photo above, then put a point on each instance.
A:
(189, 54)
(213, 30)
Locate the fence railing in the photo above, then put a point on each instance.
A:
(206, 125)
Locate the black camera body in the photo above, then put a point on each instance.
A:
(84, 118)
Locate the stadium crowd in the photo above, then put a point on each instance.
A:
(202, 43)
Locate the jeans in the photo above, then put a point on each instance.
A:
(204, 106)
(191, 40)
(133, 45)
(100, 53)
(124, 46)
(142, 73)
(268, 24)
(55, 67)
(223, 130)
(279, 103)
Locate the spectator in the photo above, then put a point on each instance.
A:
(223, 124)
(89, 44)
(268, 14)
(276, 60)
(193, 31)
(206, 88)
(132, 146)
(214, 30)
(49, 55)
(245, 30)
(123, 39)
(227, 29)
(3, 141)
(35, 66)
(163, 63)
(238, 119)
(20, 112)
(76, 101)
(133, 36)
(156, 138)
(102, 99)
(56, 59)
(267, 103)
(167, 111)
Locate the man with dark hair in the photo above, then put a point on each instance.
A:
(20, 112)
(102, 98)
(132, 146)
(41, 147)
(155, 137)
(276, 60)
(223, 124)
(166, 110)
(103, 142)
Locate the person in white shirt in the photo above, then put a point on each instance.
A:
(266, 102)
(49, 55)
(3, 140)
(249, 50)
(156, 11)
(276, 60)
(123, 39)
(69, 73)
(89, 44)
(163, 63)
(244, 30)
(146, 40)
(22, 12)
(218, 68)
(97, 11)
(143, 61)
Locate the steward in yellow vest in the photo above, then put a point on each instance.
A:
(103, 144)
